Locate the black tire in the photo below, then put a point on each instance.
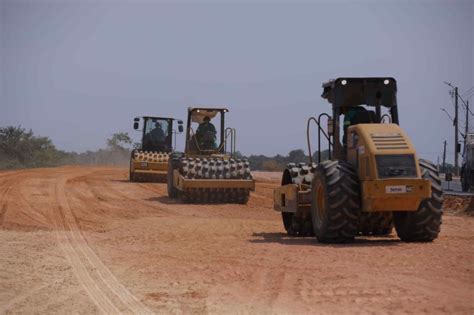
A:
(173, 163)
(287, 218)
(295, 226)
(424, 224)
(335, 208)
(465, 180)
(131, 174)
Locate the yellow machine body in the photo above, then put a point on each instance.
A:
(367, 146)
(367, 143)
(149, 165)
(207, 171)
(292, 197)
(367, 184)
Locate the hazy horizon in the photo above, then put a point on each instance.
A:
(78, 71)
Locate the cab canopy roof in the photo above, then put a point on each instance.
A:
(349, 92)
(155, 117)
(198, 113)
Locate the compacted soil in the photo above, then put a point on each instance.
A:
(85, 240)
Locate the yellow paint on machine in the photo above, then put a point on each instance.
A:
(394, 194)
(149, 165)
(182, 183)
(366, 141)
(138, 166)
(290, 198)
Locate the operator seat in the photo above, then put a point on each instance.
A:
(364, 117)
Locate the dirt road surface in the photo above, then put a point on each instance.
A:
(85, 240)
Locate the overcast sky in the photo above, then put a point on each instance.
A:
(78, 71)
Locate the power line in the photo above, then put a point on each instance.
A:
(469, 95)
(456, 126)
(465, 104)
(447, 113)
(471, 89)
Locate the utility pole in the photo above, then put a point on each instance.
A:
(456, 140)
(457, 146)
(467, 122)
(444, 158)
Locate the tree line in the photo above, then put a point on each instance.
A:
(21, 148)
(279, 162)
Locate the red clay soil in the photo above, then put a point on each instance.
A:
(85, 240)
(459, 204)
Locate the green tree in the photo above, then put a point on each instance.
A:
(119, 141)
(20, 148)
(118, 150)
(296, 156)
(272, 166)
(324, 156)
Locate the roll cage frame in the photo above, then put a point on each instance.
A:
(346, 92)
(224, 133)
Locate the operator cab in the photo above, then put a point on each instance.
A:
(157, 133)
(372, 99)
(206, 132)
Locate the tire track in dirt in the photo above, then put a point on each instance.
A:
(20, 195)
(183, 258)
(5, 188)
(70, 249)
(2, 213)
(104, 289)
(108, 193)
(274, 281)
(21, 297)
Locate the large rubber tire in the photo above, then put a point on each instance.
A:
(424, 224)
(335, 208)
(287, 218)
(465, 180)
(173, 164)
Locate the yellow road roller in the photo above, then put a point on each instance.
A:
(150, 161)
(370, 178)
(208, 171)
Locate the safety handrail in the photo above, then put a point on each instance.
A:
(388, 116)
(233, 139)
(320, 129)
